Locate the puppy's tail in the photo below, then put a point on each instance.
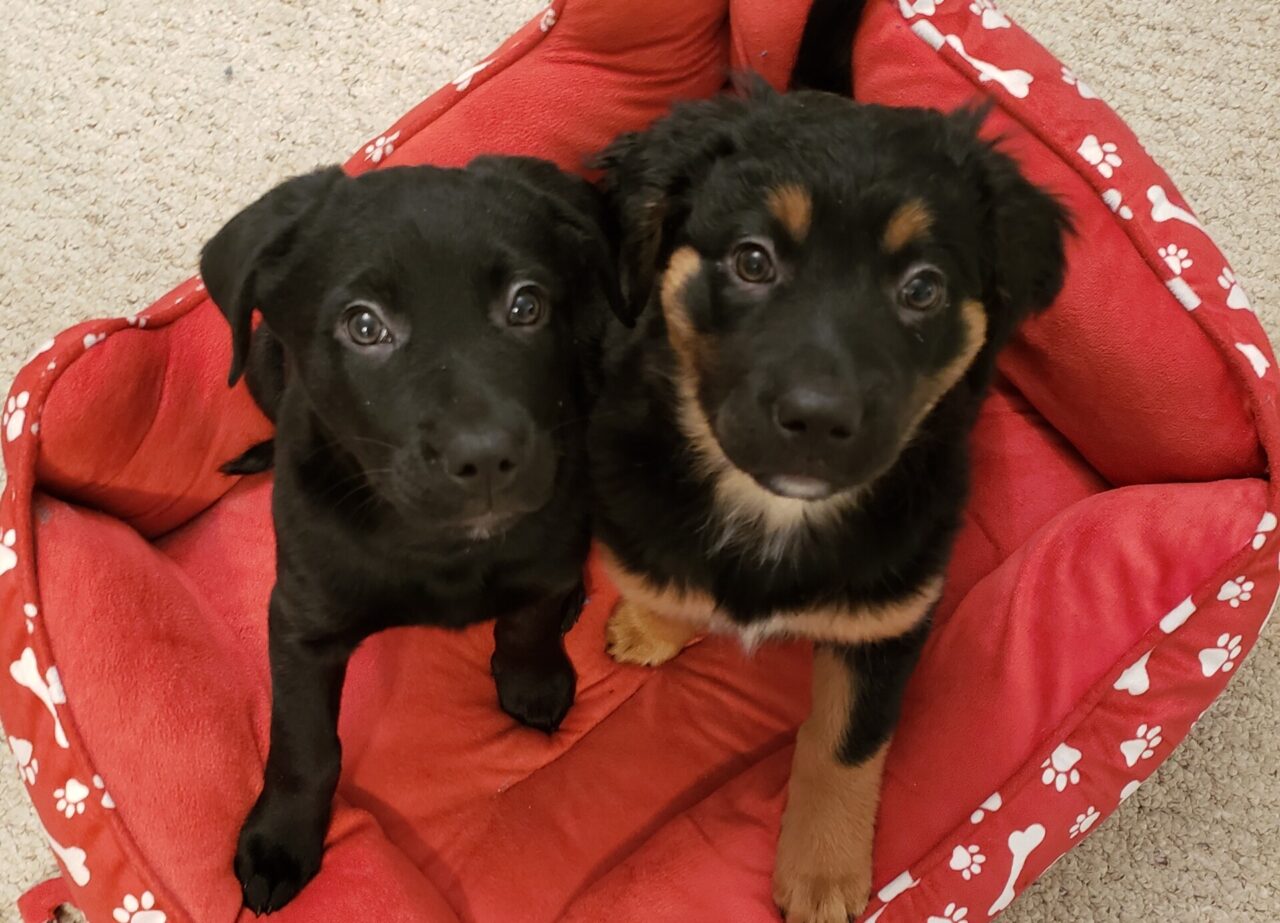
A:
(253, 460)
(825, 61)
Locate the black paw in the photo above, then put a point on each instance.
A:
(539, 697)
(275, 858)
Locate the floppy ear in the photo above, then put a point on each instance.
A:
(580, 209)
(648, 176)
(236, 265)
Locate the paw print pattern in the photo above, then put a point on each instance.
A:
(1070, 79)
(967, 860)
(1176, 258)
(1060, 768)
(990, 806)
(30, 611)
(93, 339)
(1142, 746)
(1266, 526)
(28, 765)
(992, 17)
(380, 147)
(1236, 298)
(1220, 659)
(1256, 358)
(15, 415)
(1100, 154)
(71, 797)
(1084, 821)
(1115, 202)
(8, 557)
(548, 19)
(1235, 592)
(952, 914)
(139, 909)
(463, 80)
(101, 786)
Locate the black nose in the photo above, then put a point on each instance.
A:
(484, 459)
(821, 414)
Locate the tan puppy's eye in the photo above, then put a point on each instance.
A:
(925, 289)
(753, 263)
(363, 326)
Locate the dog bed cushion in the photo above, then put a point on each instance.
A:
(1117, 561)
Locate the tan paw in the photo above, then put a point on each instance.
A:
(809, 898)
(635, 635)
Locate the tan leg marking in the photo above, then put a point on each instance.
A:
(635, 634)
(823, 869)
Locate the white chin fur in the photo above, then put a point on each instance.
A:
(799, 488)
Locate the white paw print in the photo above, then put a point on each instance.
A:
(548, 19)
(1221, 658)
(138, 910)
(93, 339)
(967, 860)
(1084, 821)
(992, 17)
(1143, 746)
(925, 7)
(1236, 298)
(1100, 154)
(30, 611)
(1115, 202)
(952, 914)
(381, 147)
(8, 557)
(1176, 258)
(107, 802)
(1070, 79)
(71, 797)
(1060, 768)
(991, 805)
(1266, 526)
(15, 415)
(28, 765)
(1235, 592)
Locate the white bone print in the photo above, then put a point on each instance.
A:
(911, 8)
(30, 611)
(1135, 679)
(463, 80)
(1016, 82)
(1102, 155)
(1177, 616)
(1022, 843)
(8, 557)
(1256, 359)
(1070, 79)
(1266, 526)
(1236, 298)
(73, 858)
(47, 688)
(1183, 292)
(904, 882)
(1142, 746)
(990, 806)
(1163, 210)
(107, 801)
(1060, 768)
(24, 752)
(1220, 659)
(992, 16)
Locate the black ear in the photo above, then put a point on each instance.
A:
(236, 264)
(648, 176)
(1025, 230)
(579, 208)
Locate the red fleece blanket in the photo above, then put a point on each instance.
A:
(1118, 559)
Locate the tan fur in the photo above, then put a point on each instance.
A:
(792, 205)
(908, 224)
(637, 635)
(750, 513)
(822, 873)
(933, 388)
(698, 611)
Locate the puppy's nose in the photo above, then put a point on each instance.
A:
(820, 413)
(484, 459)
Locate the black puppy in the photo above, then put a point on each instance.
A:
(780, 448)
(422, 354)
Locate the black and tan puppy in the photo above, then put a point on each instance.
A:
(421, 353)
(780, 446)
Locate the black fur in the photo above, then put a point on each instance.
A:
(436, 477)
(699, 178)
(825, 59)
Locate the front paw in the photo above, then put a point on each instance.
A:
(278, 853)
(635, 635)
(539, 696)
(807, 897)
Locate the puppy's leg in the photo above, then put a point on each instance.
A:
(282, 839)
(823, 868)
(533, 674)
(637, 634)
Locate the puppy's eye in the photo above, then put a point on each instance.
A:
(753, 263)
(924, 290)
(363, 326)
(528, 306)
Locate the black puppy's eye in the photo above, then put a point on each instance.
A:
(528, 306)
(752, 263)
(924, 290)
(364, 327)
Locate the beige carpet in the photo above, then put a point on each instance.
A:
(132, 128)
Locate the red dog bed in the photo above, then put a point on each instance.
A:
(1119, 559)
